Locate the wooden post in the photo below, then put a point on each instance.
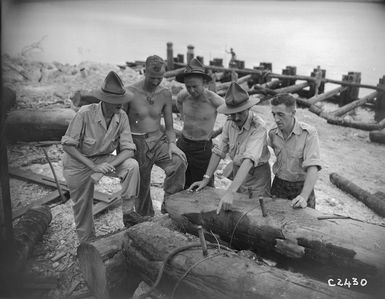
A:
(170, 57)
(317, 73)
(266, 65)
(289, 70)
(380, 101)
(180, 58)
(190, 53)
(351, 93)
(7, 244)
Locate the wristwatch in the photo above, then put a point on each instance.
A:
(206, 176)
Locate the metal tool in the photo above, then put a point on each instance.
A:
(63, 198)
(262, 204)
(202, 240)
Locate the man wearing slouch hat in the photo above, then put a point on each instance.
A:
(94, 133)
(244, 138)
(198, 108)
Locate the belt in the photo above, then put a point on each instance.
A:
(195, 141)
(147, 135)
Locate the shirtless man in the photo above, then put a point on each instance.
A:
(198, 107)
(145, 109)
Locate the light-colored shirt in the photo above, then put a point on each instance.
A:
(89, 134)
(299, 151)
(249, 142)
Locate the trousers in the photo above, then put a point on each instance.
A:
(290, 190)
(150, 150)
(81, 188)
(198, 154)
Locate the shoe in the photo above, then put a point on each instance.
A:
(163, 209)
(133, 218)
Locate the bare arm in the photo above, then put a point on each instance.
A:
(213, 164)
(310, 180)
(227, 199)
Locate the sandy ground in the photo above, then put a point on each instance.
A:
(345, 151)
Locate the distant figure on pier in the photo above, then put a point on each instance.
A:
(149, 103)
(244, 139)
(198, 107)
(233, 55)
(296, 148)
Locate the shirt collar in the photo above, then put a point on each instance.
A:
(296, 129)
(246, 125)
(100, 116)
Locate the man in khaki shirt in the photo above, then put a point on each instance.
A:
(95, 132)
(244, 138)
(296, 148)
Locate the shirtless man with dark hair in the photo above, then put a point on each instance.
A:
(198, 107)
(145, 109)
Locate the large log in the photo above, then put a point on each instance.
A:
(340, 247)
(28, 231)
(366, 126)
(374, 202)
(38, 125)
(377, 136)
(220, 274)
(355, 104)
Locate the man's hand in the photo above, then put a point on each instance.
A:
(226, 202)
(173, 149)
(104, 168)
(299, 202)
(197, 186)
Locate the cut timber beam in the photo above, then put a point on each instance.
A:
(344, 109)
(221, 274)
(373, 201)
(330, 246)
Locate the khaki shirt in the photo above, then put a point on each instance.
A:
(248, 142)
(88, 132)
(299, 151)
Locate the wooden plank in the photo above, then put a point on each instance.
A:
(336, 246)
(32, 177)
(48, 198)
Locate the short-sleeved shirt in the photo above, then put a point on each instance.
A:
(295, 154)
(248, 142)
(89, 134)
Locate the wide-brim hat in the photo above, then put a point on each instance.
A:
(195, 68)
(236, 100)
(112, 90)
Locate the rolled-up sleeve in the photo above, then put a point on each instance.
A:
(256, 146)
(311, 155)
(126, 142)
(223, 147)
(74, 131)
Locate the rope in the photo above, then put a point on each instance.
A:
(239, 220)
(169, 257)
(189, 270)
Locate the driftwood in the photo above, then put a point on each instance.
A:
(377, 136)
(226, 85)
(373, 201)
(322, 97)
(27, 232)
(344, 109)
(292, 88)
(38, 125)
(220, 274)
(330, 246)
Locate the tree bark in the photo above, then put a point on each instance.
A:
(38, 125)
(294, 235)
(373, 201)
(377, 136)
(28, 231)
(221, 274)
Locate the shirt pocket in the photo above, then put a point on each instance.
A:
(88, 145)
(295, 162)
